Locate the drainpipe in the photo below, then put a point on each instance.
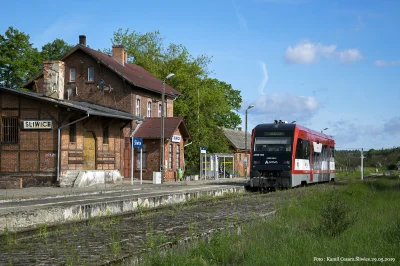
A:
(133, 133)
(59, 143)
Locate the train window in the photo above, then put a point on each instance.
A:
(273, 144)
(302, 149)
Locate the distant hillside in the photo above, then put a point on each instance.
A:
(384, 158)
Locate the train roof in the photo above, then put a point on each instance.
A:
(290, 127)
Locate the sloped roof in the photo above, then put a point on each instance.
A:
(236, 138)
(134, 74)
(151, 128)
(88, 108)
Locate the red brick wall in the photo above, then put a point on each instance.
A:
(239, 163)
(35, 152)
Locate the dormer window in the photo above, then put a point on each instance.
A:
(72, 74)
(91, 74)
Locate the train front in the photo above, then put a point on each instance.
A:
(271, 156)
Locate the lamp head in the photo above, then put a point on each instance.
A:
(170, 75)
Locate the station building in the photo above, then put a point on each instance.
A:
(77, 116)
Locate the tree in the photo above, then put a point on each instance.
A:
(206, 104)
(55, 50)
(18, 59)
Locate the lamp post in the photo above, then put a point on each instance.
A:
(245, 142)
(322, 131)
(162, 127)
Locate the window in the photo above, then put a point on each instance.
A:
(178, 156)
(138, 107)
(90, 74)
(72, 74)
(170, 157)
(159, 110)
(72, 132)
(148, 109)
(273, 144)
(9, 130)
(144, 157)
(105, 135)
(332, 152)
(302, 149)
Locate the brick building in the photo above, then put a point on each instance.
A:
(87, 80)
(236, 139)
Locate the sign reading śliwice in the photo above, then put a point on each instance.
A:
(40, 124)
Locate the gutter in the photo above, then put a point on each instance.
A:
(59, 143)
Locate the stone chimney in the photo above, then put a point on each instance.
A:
(82, 40)
(126, 57)
(118, 53)
(53, 79)
(239, 128)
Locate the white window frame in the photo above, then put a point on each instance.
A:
(137, 107)
(148, 109)
(89, 70)
(159, 110)
(72, 78)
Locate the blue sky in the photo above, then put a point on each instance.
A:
(332, 64)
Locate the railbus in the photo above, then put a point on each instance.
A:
(287, 155)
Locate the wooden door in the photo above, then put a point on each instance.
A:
(89, 151)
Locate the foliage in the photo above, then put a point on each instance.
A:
(291, 239)
(335, 216)
(205, 103)
(55, 50)
(18, 59)
(382, 158)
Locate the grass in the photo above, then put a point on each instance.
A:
(360, 219)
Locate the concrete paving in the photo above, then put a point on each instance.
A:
(29, 207)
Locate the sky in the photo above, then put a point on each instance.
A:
(323, 63)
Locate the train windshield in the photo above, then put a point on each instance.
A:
(273, 144)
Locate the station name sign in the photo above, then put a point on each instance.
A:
(176, 138)
(40, 124)
(269, 133)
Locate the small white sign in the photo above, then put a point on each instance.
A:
(176, 138)
(317, 147)
(41, 124)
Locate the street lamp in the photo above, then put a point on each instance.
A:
(322, 131)
(162, 150)
(245, 142)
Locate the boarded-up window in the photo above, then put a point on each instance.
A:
(9, 130)
(72, 132)
(105, 135)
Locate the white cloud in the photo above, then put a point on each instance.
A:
(264, 81)
(349, 131)
(382, 63)
(350, 55)
(306, 52)
(241, 19)
(360, 24)
(285, 106)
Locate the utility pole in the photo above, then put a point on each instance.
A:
(362, 164)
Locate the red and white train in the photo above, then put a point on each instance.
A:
(289, 155)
